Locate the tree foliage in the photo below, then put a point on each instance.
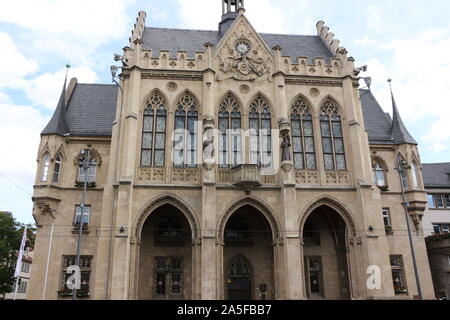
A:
(10, 238)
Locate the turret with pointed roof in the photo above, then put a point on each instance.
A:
(399, 132)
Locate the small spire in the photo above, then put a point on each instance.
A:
(399, 132)
(58, 122)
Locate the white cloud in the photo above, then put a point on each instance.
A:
(73, 30)
(14, 66)
(374, 21)
(45, 89)
(23, 125)
(419, 68)
(264, 15)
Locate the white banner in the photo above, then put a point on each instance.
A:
(20, 255)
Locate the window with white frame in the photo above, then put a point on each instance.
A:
(379, 174)
(438, 201)
(86, 215)
(387, 217)
(25, 267)
(441, 228)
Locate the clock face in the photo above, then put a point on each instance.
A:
(243, 47)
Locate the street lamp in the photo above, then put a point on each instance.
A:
(84, 162)
(402, 166)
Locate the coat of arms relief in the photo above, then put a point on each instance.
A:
(243, 57)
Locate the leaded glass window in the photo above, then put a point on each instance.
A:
(302, 136)
(154, 132)
(230, 133)
(398, 274)
(332, 137)
(260, 131)
(185, 136)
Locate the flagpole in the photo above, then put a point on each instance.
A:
(19, 261)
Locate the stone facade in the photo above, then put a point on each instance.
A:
(184, 216)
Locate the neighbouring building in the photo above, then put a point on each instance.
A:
(24, 277)
(436, 224)
(229, 164)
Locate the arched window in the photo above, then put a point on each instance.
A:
(154, 132)
(332, 137)
(415, 174)
(260, 125)
(379, 174)
(230, 133)
(302, 136)
(45, 167)
(186, 126)
(57, 169)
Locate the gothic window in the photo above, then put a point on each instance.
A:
(332, 137)
(415, 174)
(302, 136)
(154, 132)
(169, 232)
(45, 167)
(379, 174)
(260, 125)
(186, 126)
(86, 269)
(57, 169)
(240, 266)
(230, 133)
(398, 274)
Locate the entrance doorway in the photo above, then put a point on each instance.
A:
(248, 237)
(325, 255)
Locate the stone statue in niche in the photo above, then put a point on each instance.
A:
(286, 148)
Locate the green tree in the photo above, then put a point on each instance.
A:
(10, 237)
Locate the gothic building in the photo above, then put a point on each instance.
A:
(228, 164)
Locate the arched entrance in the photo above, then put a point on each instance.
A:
(248, 256)
(325, 255)
(165, 257)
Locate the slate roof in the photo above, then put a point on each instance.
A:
(192, 41)
(90, 112)
(436, 174)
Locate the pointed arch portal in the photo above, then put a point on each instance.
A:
(248, 238)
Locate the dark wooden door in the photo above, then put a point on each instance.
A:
(240, 289)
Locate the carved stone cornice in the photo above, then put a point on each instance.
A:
(172, 75)
(314, 82)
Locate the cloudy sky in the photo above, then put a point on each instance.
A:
(406, 40)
